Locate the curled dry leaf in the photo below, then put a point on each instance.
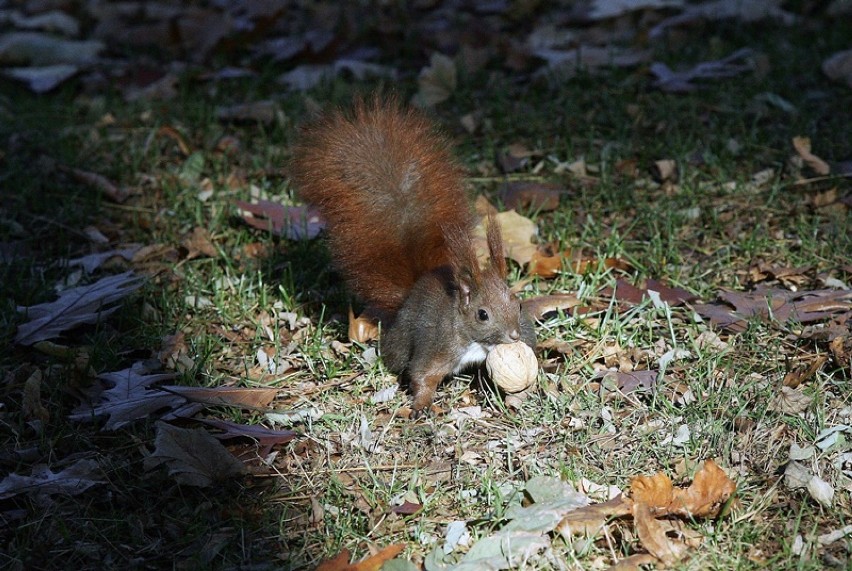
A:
(371, 563)
(541, 305)
(710, 489)
(362, 329)
(803, 148)
(589, 520)
(652, 535)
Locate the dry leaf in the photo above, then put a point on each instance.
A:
(31, 404)
(839, 67)
(803, 148)
(589, 520)
(100, 183)
(73, 480)
(129, 399)
(362, 329)
(790, 401)
(709, 490)
(437, 82)
(266, 438)
(249, 398)
(541, 305)
(292, 222)
(193, 456)
(653, 536)
(76, 306)
(536, 196)
(372, 563)
(198, 244)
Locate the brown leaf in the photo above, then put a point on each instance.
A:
(198, 244)
(100, 183)
(192, 456)
(653, 537)
(541, 305)
(802, 373)
(266, 438)
(634, 562)
(407, 508)
(250, 398)
(31, 405)
(536, 196)
(362, 328)
(589, 520)
(544, 263)
(518, 235)
(372, 563)
(710, 489)
(803, 148)
(656, 492)
(292, 222)
(173, 134)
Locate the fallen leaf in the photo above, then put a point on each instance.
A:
(362, 329)
(100, 183)
(193, 456)
(129, 399)
(535, 196)
(518, 235)
(266, 438)
(292, 222)
(44, 78)
(588, 521)
(38, 49)
(838, 67)
(72, 481)
(198, 244)
(541, 305)
(653, 536)
(91, 262)
(682, 81)
(803, 148)
(263, 111)
(31, 405)
(709, 490)
(371, 563)
(76, 306)
(437, 82)
(790, 401)
(803, 373)
(250, 398)
(821, 491)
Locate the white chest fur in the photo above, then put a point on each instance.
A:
(474, 354)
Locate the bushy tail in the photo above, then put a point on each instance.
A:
(391, 195)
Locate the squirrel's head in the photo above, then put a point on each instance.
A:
(490, 311)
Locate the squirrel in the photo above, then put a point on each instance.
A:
(399, 227)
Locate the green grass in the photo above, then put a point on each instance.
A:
(325, 492)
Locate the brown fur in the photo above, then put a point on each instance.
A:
(391, 195)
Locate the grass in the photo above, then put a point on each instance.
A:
(326, 491)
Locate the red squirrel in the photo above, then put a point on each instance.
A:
(399, 229)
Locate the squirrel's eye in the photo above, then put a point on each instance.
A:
(482, 315)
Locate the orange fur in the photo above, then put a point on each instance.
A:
(392, 198)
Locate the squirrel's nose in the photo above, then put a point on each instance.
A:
(514, 335)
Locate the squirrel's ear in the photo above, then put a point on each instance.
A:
(495, 246)
(464, 293)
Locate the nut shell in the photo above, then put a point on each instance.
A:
(512, 366)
